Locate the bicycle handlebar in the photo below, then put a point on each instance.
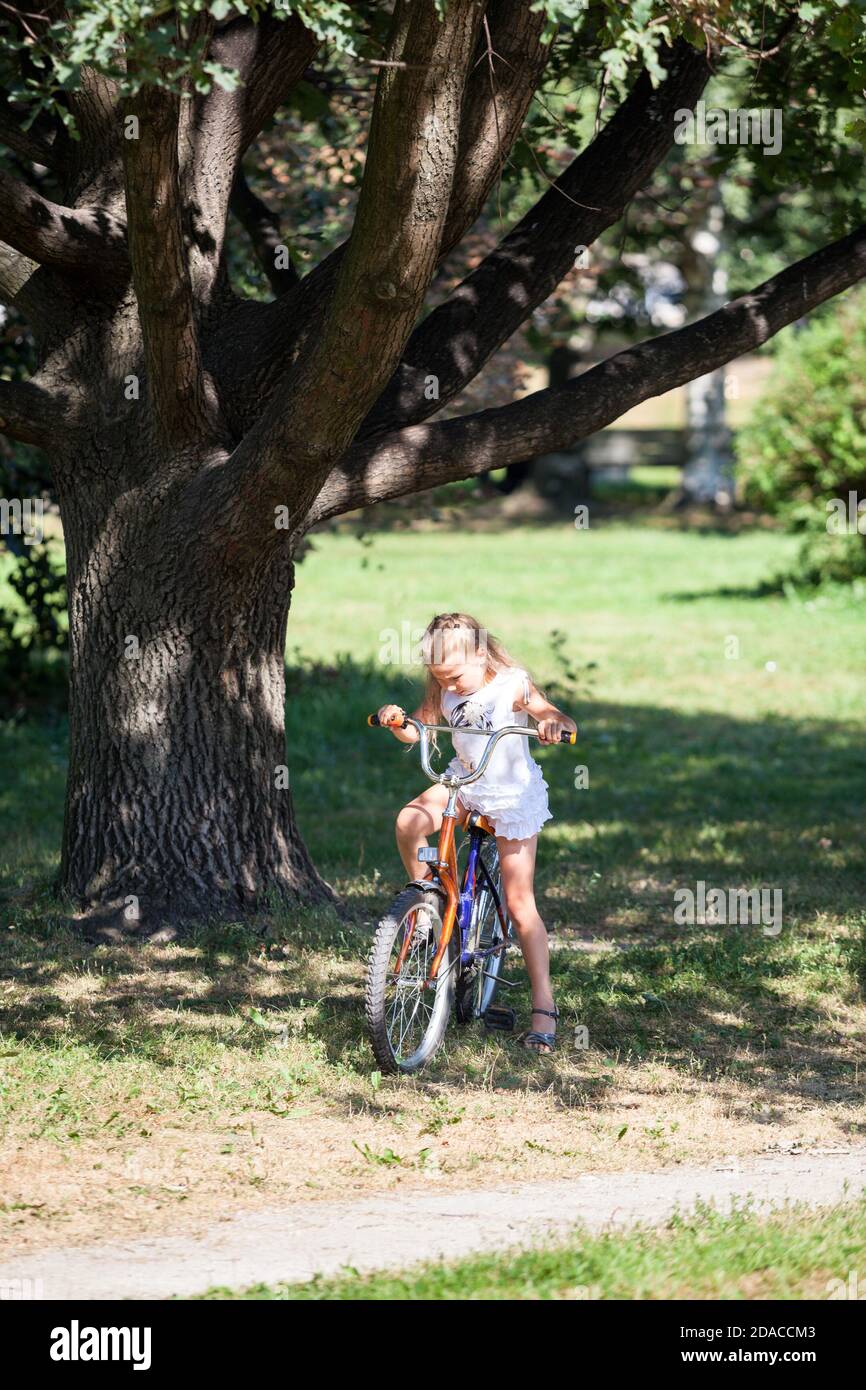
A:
(375, 722)
(424, 730)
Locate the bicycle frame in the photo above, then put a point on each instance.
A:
(458, 906)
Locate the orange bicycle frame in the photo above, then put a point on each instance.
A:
(446, 867)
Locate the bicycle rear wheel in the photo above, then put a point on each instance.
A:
(478, 986)
(406, 1022)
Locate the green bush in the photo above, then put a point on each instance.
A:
(33, 631)
(804, 449)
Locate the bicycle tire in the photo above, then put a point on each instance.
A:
(381, 1024)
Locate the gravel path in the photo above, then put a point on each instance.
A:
(294, 1243)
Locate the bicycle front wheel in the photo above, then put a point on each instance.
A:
(406, 1022)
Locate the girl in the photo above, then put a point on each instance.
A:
(472, 682)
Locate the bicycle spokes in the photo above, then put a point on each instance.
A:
(411, 1006)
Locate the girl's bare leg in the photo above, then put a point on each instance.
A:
(517, 858)
(417, 820)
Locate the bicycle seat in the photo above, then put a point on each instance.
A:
(474, 820)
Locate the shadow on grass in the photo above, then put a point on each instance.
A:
(473, 509)
(673, 799)
(762, 588)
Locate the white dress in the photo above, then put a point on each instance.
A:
(512, 790)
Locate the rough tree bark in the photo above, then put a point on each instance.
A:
(185, 425)
(176, 800)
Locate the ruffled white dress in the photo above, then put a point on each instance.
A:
(512, 791)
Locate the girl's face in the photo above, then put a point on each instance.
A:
(460, 674)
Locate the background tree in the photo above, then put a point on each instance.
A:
(196, 433)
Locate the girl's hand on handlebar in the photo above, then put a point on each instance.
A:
(549, 730)
(391, 714)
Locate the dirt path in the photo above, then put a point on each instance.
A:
(294, 1243)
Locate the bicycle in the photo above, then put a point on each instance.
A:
(409, 1000)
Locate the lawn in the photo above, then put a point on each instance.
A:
(722, 728)
(793, 1254)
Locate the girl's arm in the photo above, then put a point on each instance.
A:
(410, 735)
(551, 720)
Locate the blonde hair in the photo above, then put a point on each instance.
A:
(465, 633)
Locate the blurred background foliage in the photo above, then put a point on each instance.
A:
(803, 453)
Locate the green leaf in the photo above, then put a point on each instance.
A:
(615, 61)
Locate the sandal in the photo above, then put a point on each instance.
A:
(538, 1041)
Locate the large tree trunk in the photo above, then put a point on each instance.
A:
(177, 800)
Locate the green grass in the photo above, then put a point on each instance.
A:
(652, 608)
(701, 766)
(699, 763)
(792, 1254)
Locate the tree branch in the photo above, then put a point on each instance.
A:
(424, 456)
(505, 73)
(186, 412)
(93, 164)
(26, 143)
(284, 328)
(456, 339)
(29, 412)
(270, 57)
(263, 230)
(23, 284)
(284, 51)
(89, 240)
(15, 271)
(389, 261)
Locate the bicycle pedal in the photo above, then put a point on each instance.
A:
(499, 1018)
